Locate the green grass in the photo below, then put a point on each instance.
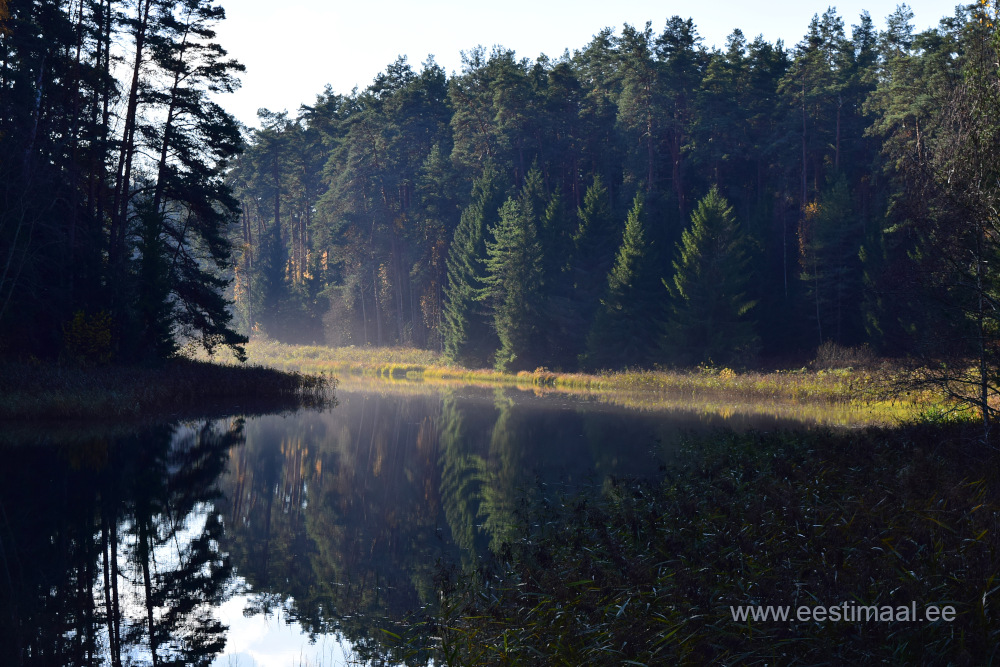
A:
(182, 387)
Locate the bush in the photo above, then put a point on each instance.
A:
(87, 338)
(830, 355)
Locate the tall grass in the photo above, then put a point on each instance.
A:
(646, 573)
(870, 386)
(39, 390)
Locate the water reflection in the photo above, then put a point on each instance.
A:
(133, 549)
(336, 517)
(109, 555)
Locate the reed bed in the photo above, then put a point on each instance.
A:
(41, 390)
(647, 573)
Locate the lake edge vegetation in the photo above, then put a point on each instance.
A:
(642, 200)
(836, 376)
(647, 573)
(645, 200)
(181, 388)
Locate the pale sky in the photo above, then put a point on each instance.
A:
(293, 48)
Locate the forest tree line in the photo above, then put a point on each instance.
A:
(641, 200)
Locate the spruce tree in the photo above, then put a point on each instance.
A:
(591, 259)
(626, 321)
(708, 320)
(465, 330)
(561, 326)
(513, 285)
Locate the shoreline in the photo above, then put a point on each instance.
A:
(182, 388)
(283, 377)
(863, 388)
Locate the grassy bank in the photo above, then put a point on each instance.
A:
(830, 386)
(647, 573)
(43, 390)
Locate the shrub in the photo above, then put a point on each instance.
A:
(87, 338)
(830, 355)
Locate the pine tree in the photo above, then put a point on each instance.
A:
(708, 319)
(626, 322)
(642, 100)
(272, 285)
(105, 173)
(941, 144)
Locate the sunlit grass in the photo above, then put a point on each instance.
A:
(860, 396)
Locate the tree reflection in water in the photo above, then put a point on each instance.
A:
(338, 518)
(346, 519)
(110, 548)
(116, 549)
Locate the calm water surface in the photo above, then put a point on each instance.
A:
(290, 539)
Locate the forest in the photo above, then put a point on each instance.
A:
(644, 203)
(643, 200)
(115, 211)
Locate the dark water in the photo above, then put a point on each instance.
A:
(293, 539)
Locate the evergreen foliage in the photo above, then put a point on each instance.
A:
(590, 260)
(112, 175)
(363, 218)
(513, 284)
(829, 239)
(465, 328)
(624, 330)
(708, 320)
(153, 311)
(944, 240)
(562, 317)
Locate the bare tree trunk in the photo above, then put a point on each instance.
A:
(982, 334)
(378, 314)
(145, 554)
(805, 192)
(114, 622)
(836, 146)
(119, 211)
(112, 645)
(168, 126)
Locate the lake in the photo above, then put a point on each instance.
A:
(300, 538)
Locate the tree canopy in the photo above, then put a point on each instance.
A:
(116, 215)
(491, 214)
